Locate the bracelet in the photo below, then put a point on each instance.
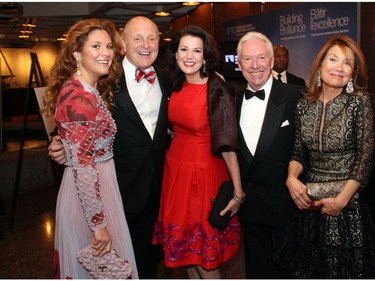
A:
(238, 199)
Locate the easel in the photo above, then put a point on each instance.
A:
(36, 73)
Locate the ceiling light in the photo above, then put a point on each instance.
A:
(23, 36)
(162, 14)
(167, 39)
(190, 3)
(28, 25)
(26, 31)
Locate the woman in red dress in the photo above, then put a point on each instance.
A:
(202, 152)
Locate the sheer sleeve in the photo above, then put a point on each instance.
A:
(298, 152)
(365, 138)
(77, 115)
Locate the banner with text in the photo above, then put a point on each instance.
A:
(302, 28)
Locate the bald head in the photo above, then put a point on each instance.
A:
(141, 41)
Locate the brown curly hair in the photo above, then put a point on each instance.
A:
(65, 64)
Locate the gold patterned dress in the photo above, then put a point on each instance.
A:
(318, 246)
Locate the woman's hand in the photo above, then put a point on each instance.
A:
(101, 242)
(334, 206)
(298, 193)
(56, 150)
(233, 206)
(330, 206)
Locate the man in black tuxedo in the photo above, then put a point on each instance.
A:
(280, 68)
(140, 114)
(141, 139)
(266, 133)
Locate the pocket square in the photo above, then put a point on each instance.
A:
(285, 123)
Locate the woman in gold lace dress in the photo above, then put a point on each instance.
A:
(334, 140)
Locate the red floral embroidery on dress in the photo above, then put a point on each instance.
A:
(87, 131)
(195, 240)
(56, 265)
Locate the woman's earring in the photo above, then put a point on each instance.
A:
(77, 57)
(349, 86)
(78, 70)
(318, 79)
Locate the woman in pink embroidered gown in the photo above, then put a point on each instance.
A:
(89, 208)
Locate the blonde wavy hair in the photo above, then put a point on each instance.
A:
(65, 64)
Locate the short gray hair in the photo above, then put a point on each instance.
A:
(255, 35)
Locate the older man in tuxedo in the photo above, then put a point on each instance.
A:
(266, 132)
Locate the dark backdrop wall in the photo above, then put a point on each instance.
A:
(211, 16)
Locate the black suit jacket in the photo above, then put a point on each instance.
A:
(139, 159)
(264, 174)
(293, 79)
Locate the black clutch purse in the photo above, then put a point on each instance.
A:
(224, 195)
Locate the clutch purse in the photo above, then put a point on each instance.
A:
(330, 189)
(224, 195)
(107, 266)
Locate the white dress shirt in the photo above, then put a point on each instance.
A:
(283, 76)
(252, 116)
(145, 96)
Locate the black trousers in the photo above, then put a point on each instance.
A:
(260, 242)
(141, 226)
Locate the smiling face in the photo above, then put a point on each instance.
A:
(337, 67)
(141, 42)
(256, 62)
(96, 55)
(189, 56)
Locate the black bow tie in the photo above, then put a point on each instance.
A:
(259, 94)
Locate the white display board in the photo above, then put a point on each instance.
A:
(49, 122)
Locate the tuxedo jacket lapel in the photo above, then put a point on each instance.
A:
(244, 150)
(163, 111)
(125, 102)
(271, 123)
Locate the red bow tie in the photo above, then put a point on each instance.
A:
(140, 74)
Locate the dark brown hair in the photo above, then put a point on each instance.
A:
(210, 55)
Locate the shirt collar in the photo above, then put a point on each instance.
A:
(129, 68)
(266, 87)
(274, 73)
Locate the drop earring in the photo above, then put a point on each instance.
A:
(318, 79)
(349, 86)
(78, 72)
(77, 57)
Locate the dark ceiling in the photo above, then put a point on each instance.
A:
(53, 19)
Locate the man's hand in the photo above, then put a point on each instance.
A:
(56, 150)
